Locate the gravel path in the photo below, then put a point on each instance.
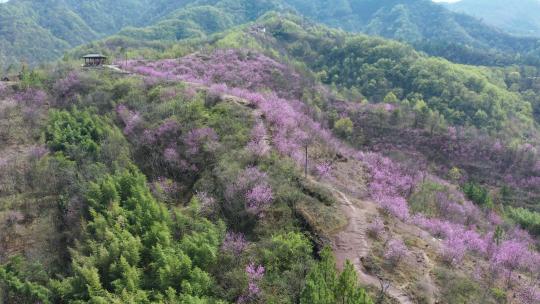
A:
(351, 244)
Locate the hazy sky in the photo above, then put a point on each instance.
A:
(1, 1)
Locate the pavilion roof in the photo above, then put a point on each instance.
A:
(94, 56)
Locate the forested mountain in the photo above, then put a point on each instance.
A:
(427, 26)
(40, 31)
(34, 31)
(201, 18)
(492, 99)
(519, 17)
(248, 152)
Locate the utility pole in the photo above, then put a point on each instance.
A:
(306, 164)
(123, 51)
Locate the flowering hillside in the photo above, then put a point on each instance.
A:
(266, 84)
(464, 228)
(323, 168)
(234, 68)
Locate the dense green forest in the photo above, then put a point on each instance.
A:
(59, 25)
(376, 67)
(35, 31)
(425, 25)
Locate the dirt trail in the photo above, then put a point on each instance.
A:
(351, 243)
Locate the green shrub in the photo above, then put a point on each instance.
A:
(344, 127)
(499, 295)
(285, 251)
(325, 286)
(478, 194)
(134, 252)
(76, 133)
(424, 199)
(286, 257)
(527, 219)
(317, 191)
(457, 289)
(22, 282)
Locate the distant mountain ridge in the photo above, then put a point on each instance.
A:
(520, 17)
(426, 25)
(38, 31)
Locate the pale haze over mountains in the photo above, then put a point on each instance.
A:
(520, 17)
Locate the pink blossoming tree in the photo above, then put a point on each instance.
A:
(234, 243)
(253, 189)
(255, 274)
(395, 251)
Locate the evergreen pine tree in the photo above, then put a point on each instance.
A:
(323, 286)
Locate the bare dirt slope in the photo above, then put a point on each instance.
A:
(28, 217)
(353, 243)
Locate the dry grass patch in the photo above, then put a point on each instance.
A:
(324, 219)
(30, 228)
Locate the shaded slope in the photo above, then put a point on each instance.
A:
(519, 17)
(200, 20)
(40, 31)
(425, 25)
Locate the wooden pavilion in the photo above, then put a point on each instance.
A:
(93, 60)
